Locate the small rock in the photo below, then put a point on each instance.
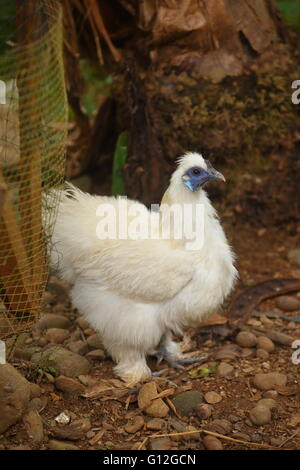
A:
(212, 397)
(246, 339)
(194, 435)
(35, 390)
(97, 354)
(147, 393)
(212, 443)
(82, 323)
(269, 381)
(134, 425)
(268, 402)
(294, 256)
(14, 396)
(262, 354)
(52, 320)
(157, 409)
(265, 343)
(34, 426)
(248, 352)
(203, 410)
(260, 415)
(155, 424)
(243, 436)
(69, 386)
(60, 445)
(221, 426)
(185, 402)
(94, 341)
(160, 443)
(275, 441)
(267, 322)
(74, 431)
(64, 362)
(230, 351)
(270, 394)
(224, 369)
(254, 322)
(35, 404)
(87, 380)
(288, 303)
(233, 418)
(57, 335)
(78, 347)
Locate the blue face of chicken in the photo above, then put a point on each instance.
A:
(196, 177)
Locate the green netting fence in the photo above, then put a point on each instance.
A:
(33, 131)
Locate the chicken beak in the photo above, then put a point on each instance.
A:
(217, 175)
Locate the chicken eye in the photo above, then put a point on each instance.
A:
(196, 171)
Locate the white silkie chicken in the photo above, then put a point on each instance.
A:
(135, 293)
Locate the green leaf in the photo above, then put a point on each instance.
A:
(120, 157)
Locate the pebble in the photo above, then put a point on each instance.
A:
(270, 394)
(147, 393)
(94, 341)
(61, 445)
(34, 425)
(260, 415)
(82, 323)
(74, 431)
(212, 443)
(267, 322)
(262, 354)
(186, 402)
(134, 425)
(224, 369)
(294, 256)
(69, 386)
(35, 390)
(157, 409)
(52, 320)
(78, 347)
(243, 436)
(248, 352)
(194, 435)
(147, 402)
(221, 426)
(203, 410)
(231, 351)
(268, 402)
(269, 381)
(56, 335)
(63, 361)
(288, 303)
(97, 354)
(212, 397)
(87, 380)
(254, 322)
(156, 424)
(14, 396)
(35, 404)
(265, 343)
(246, 339)
(160, 443)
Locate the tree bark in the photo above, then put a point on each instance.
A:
(204, 75)
(212, 76)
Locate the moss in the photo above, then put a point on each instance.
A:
(252, 115)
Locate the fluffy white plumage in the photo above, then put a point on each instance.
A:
(137, 292)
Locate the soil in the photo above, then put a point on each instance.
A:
(261, 255)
